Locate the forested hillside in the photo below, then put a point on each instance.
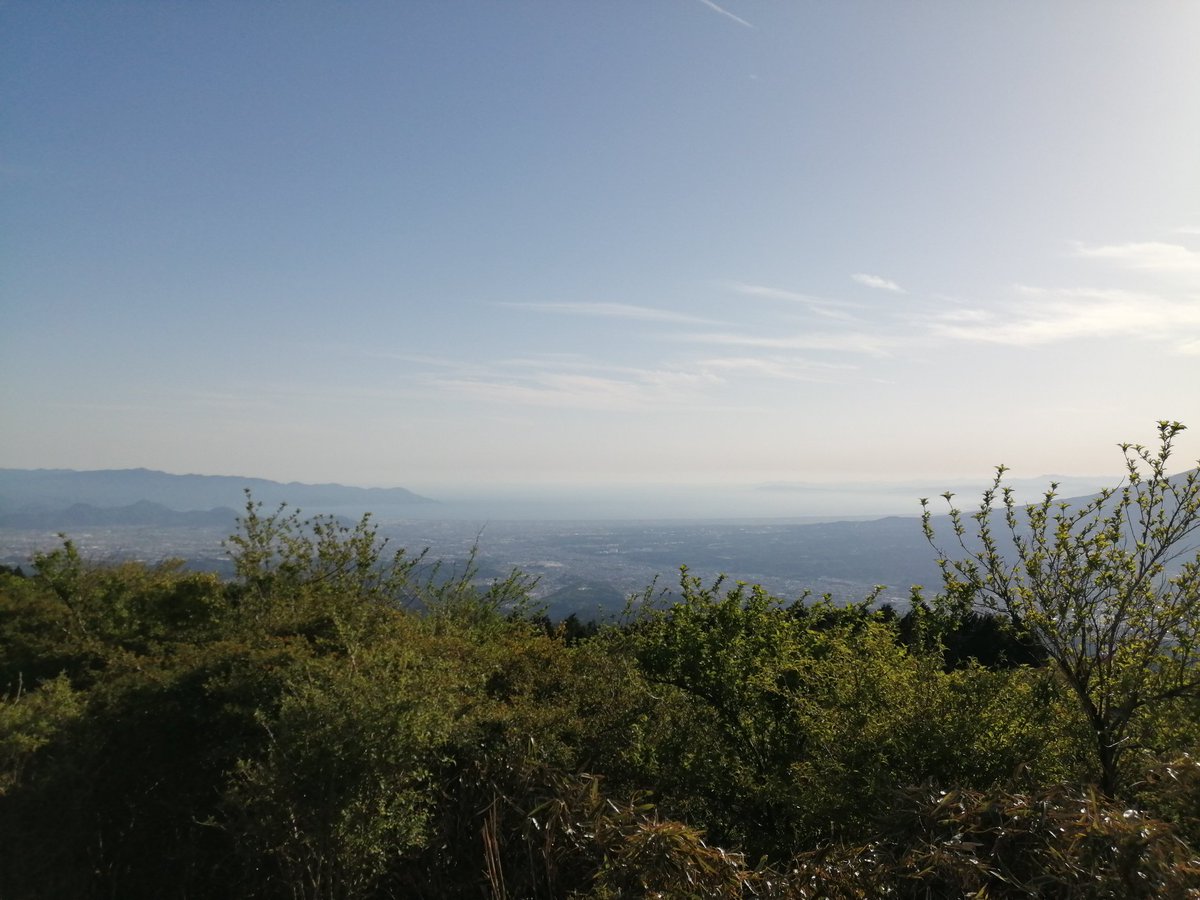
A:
(337, 722)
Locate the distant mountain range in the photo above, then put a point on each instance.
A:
(55, 498)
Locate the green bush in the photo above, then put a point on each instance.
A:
(784, 725)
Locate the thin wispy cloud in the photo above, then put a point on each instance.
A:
(878, 282)
(727, 13)
(777, 368)
(1051, 315)
(549, 360)
(1147, 256)
(556, 363)
(633, 391)
(822, 306)
(563, 391)
(614, 311)
(419, 359)
(557, 382)
(229, 400)
(841, 342)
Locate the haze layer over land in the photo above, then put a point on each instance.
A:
(582, 557)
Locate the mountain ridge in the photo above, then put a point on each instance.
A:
(50, 490)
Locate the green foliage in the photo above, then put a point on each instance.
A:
(123, 798)
(344, 785)
(318, 576)
(75, 617)
(1093, 587)
(30, 720)
(787, 724)
(35, 635)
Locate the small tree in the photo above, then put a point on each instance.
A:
(1108, 588)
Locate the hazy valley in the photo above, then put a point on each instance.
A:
(583, 565)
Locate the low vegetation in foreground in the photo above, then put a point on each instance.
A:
(335, 722)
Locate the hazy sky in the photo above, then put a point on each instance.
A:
(434, 243)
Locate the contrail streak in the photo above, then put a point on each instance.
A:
(725, 12)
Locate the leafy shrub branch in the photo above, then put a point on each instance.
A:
(1108, 589)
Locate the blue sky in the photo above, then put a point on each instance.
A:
(439, 244)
